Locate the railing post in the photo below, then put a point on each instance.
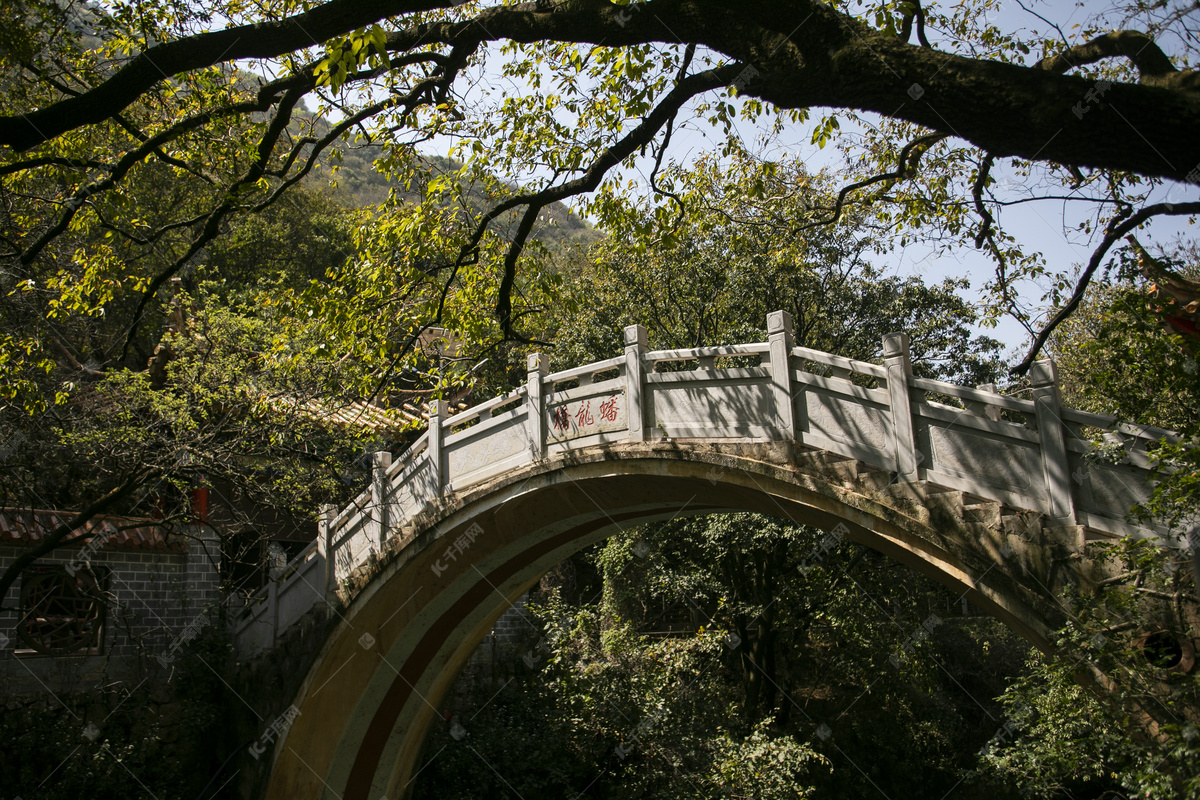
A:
(779, 333)
(537, 367)
(635, 382)
(325, 548)
(437, 415)
(991, 412)
(273, 606)
(898, 362)
(380, 461)
(1055, 466)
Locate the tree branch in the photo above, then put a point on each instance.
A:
(160, 61)
(1138, 47)
(51, 542)
(455, 62)
(906, 165)
(637, 138)
(1117, 228)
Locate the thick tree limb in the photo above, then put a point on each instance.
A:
(261, 40)
(807, 54)
(1138, 47)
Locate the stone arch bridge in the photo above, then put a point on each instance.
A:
(993, 495)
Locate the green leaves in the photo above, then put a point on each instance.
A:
(346, 55)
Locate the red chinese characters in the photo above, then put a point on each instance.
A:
(583, 417)
(564, 420)
(608, 409)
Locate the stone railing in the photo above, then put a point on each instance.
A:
(1029, 454)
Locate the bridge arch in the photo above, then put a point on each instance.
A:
(446, 538)
(368, 701)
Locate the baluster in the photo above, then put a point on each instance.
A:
(635, 382)
(779, 334)
(437, 434)
(1055, 464)
(537, 367)
(899, 369)
(325, 534)
(380, 461)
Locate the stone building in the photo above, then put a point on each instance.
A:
(120, 594)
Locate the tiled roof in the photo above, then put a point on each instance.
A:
(25, 526)
(368, 415)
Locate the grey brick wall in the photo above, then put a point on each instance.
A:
(154, 596)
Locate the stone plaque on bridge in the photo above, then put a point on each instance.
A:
(586, 416)
(1007, 465)
(1113, 490)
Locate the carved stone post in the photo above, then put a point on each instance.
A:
(437, 415)
(273, 607)
(325, 535)
(1055, 464)
(779, 333)
(635, 382)
(991, 412)
(899, 369)
(537, 367)
(380, 461)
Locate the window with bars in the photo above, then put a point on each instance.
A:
(62, 610)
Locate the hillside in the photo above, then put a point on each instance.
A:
(356, 176)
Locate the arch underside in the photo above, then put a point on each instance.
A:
(378, 682)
